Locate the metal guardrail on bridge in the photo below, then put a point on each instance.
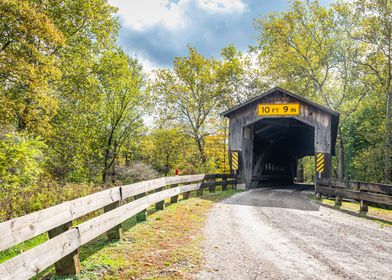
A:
(64, 240)
(361, 191)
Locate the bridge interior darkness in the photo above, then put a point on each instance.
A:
(278, 144)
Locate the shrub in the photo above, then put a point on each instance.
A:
(136, 172)
(21, 163)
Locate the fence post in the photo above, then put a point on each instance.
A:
(212, 188)
(115, 233)
(338, 201)
(200, 190)
(142, 215)
(363, 208)
(224, 184)
(174, 199)
(186, 195)
(161, 204)
(69, 264)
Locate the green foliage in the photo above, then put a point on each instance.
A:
(340, 59)
(192, 95)
(28, 65)
(90, 30)
(21, 162)
(297, 46)
(375, 57)
(168, 149)
(309, 169)
(63, 82)
(120, 88)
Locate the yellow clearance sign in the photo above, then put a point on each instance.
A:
(291, 109)
(234, 160)
(320, 162)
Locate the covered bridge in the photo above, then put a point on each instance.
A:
(271, 132)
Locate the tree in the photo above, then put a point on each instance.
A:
(374, 32)
(297, 46)
(167, 149)
(190, 94)
(21, 163)
(28, 66)
(90, 29)
(240, 77)
(121, 84)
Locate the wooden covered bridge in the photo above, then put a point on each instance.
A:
(271, 132)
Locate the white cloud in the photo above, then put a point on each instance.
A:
(139, 14)
(222, 6)
(148, 66)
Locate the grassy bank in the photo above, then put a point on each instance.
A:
(379, 215)
(166, 246)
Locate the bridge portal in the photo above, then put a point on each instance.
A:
(271, 132)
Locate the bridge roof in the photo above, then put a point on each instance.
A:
(278, 89)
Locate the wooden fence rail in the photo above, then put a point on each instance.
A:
(62, 247)
(361, 191)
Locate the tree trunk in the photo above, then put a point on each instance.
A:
(387, 150)
(127, 160)
(105, 168)
(341, 158)
(167, 168)
(113, 175)
(201, 150)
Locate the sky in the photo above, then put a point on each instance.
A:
(156, 31)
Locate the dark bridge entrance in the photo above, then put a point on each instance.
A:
(278, 144)
(270, 133)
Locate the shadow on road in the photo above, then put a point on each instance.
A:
(277, 197)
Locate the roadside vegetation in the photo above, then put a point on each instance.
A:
(166, 246)
(378, 213)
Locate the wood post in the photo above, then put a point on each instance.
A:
(186, 195)
(69, 264)
(174, 199)
(161, 204)
(142, 215)
(363, 208)
(224, 184)
(212, 188)
(338, 201)
(115, 233)
(200, 190)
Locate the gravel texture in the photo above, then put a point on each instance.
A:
(278, 233)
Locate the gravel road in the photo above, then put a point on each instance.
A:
(278, 233)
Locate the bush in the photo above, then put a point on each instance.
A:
(136, 172)
(21, 163)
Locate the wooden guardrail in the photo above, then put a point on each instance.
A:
(361, 191)
(64, 240)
